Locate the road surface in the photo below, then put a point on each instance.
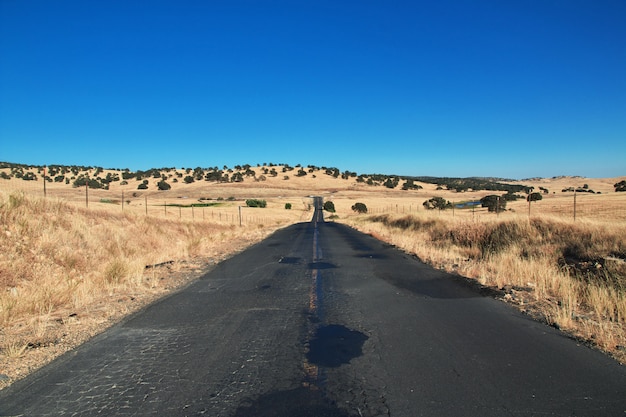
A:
(320, 320)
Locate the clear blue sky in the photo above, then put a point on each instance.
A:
(515, 88)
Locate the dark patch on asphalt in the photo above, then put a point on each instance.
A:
(321, 265)
(371, 256)
(441, 285)
(335, 345)
(301, 402)
(265, 287)
(289, 260)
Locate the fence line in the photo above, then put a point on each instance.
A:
(217, 211)
(151, 203)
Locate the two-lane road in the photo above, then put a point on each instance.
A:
(320, 320)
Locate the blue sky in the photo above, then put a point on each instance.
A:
(516, 88)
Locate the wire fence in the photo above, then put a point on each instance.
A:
(605, 207)
(610, 207)
(218, 210)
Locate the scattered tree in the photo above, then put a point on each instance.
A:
(359, 208)
(438, 203)
(494, 203)
(256, 203)
(391, 182)
(163, 185)
(287, 206)
(410, 185)
(329, 206)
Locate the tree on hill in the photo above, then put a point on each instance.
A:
(620, 186)
(163, 185)
(29, 176)
(534, 197)
(391, 182)
(329, 206)
(410, 185)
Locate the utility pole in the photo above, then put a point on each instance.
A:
(574, 205)
(498, 206)
(87, 191)
(44, 181)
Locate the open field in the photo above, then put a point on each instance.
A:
(78, 259)
(603, 204)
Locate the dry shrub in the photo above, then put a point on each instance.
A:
(115, 272)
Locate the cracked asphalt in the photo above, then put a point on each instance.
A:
(321, 320)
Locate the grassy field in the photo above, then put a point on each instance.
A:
(76, 261)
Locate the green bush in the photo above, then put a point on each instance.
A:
(287, 206)
(329, 206)
(256, 203)
(534, 197)
(359, 208)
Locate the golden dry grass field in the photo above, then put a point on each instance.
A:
(77, 260)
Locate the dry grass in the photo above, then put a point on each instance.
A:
(573, 275)
(68, 271)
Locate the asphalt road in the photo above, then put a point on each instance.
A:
(320, 320)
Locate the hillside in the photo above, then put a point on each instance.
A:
(272, 180)
(280, 184)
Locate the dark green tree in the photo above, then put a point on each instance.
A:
(534, 197)
(410, 185)
(329, 206)
(256, 203)
(494, 203)
(359, 208)
(163, 185)
(438, 203)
